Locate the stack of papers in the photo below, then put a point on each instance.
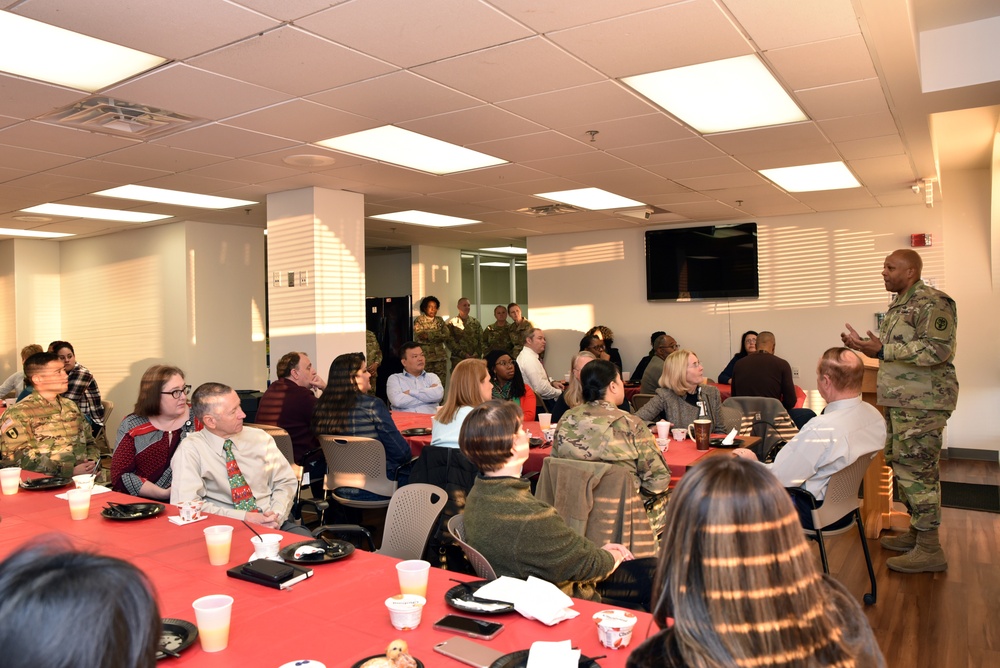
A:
(534, 598)
(553, 655)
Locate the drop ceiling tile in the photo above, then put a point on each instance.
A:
(873, 147)
(310, 180)
(545, 186)
(188, 90)
(527, 67)
(696, 168)
(392, 177)
(532, 147)
(838, 200)
(83, 226)
(654, 40)
(588, 104)
(7, 121)
(396, 97)
(707, 210)
(849, 99)
(636, 131)
(471, 195)
(848, 128)
(224, 140)
(278, 158)
(288, 11)
(384, 28)
(723, 181)
(883, 173)
(155, 156)
(177, 29)
(773, 24)
(24, 99)
(469, 126)
(292, 61)
(244, 171)
(34, 161)
(64, 186)
(631, 183)
(193, 184)
(119, 174)
(685, 196)
(513, 202)
(68, 141)
(790, 157)
(899, 197)
(775, 138)
(549, 15)
(823, 63)
(302, 120)
(500, 176)
(681, 150)
(8, 174)
(583, 163)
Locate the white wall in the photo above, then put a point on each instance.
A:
(10, 360)
(817, 272)
(388, 274)
(436, 271)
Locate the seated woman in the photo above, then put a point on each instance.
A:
(753, 596)
(508, 384)
(470, 386)
(346, 409)
(682, 386)
(522, 536)
(572, 396)
(148, 437)
(608, 337)
(52, 587)
(597, 431)
(82, 387)
(748, 344)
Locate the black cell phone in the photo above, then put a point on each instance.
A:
(270, 571)
(469, 626)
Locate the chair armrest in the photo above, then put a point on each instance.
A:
(803, 494)
(346, 529)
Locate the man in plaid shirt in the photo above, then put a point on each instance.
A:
(82, 387)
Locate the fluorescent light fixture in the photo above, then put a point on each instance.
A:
(409, 149)
(509, 250)
(40, 51)
(179, 197)
(807, 178)
(590, 198)
(71, 211)
(32, 234)
(425, 218)
(731, 94)
(495, 264)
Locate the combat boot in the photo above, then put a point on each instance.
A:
(926, 557)
(903, 542)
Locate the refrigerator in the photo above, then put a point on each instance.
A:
(391, 320)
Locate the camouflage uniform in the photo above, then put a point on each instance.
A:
(518, 332)
(373, 355)
(47, 437)
(497, 337)
(466, 339)
(918, 387)
(433, 336)
(598, 431)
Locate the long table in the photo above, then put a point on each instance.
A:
(336, 617)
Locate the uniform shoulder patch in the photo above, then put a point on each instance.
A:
(11, 433)
(941, 323)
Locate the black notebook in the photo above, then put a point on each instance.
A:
(272, 574)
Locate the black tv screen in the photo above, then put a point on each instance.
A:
(716, 262)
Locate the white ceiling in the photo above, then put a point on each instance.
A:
(524, 80)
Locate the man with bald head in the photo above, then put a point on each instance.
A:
(764, 374)
(919, 389)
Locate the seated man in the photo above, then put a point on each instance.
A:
(237, 471)
(764, 374)
(535, 375)
(664, 346)
(414, 390)
(46, 432)
(849, 428)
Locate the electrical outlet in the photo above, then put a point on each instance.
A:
(795, 372)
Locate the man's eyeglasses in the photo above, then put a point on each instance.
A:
(178, 393)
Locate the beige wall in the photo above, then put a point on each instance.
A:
(9, 358)
(817, 272)
(388, 274)
(436, 271)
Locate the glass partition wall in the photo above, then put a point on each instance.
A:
(489, 279)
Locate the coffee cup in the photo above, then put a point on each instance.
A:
(702, 428)
(663, 429)
(190, 510)
(266, 545)
(679, 434)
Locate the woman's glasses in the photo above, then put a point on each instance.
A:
(178, 393)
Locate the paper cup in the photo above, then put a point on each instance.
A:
(663, 429)
(266, 547)
(405, 610)
(10, 479)
(614, 627)
(544, 420)
(219, 539)
(212, 615)
(413, 576)
(79, 503)
(190, 510)
(679, 434)
(626, 376)
(84, 481)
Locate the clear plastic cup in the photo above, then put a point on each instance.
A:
(413, 576)
(544, 420)
(10, 479)
(219, 539)
(79, 503)
(212, 615)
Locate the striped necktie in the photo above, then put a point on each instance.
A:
(242, 494)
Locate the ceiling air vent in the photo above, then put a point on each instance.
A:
(547, 210)
(123, 119)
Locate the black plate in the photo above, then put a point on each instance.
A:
(461, 593)
(535, 442)
(416, 431)
(342, 550)
(717, 443)
(519, 659)
(177, 636)
(126, 512)
(51, 482)
(375, 656)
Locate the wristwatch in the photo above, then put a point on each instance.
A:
(881, 353)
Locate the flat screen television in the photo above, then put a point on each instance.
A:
(716, 262)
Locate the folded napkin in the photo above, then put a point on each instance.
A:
(553, 655)
(730, 439)
(98, 489)
(533, 598)
(176, 519)
(307, 549)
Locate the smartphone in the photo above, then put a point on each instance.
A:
(468, 652)
(469, 626)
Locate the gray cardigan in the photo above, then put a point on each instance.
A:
(680, 412)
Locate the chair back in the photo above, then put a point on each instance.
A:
(456, 527)
(842, 492)
(281, 439)
(413, 511)
(109, 407)
(353, 461)
(640, 400)
(759, 414)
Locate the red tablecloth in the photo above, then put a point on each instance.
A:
(336, 617)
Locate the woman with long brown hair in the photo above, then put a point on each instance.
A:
(470, 386)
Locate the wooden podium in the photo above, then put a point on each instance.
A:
(876, 507)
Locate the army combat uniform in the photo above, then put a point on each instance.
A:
(466, 339)
(518, 332)
(373, 355)
(918, 387)
(46, 437)
(433, 336)
(598, 432)
(497, 337)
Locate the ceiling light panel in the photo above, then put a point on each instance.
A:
(410, 149)
(720, 96)
(594, 199)
(71, 211)
(46, 53)
(32, 234)
(810, 178)
(426, 219)
(508, 250)
(178, 197)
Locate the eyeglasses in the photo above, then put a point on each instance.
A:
(505, 363)
(178, 393)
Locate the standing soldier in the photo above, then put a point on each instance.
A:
(466, 334)
(519, 330)
(496, 336)
(373, 358)
(918, 387)
(432, 334)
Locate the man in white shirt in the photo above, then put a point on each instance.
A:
(532, 370)
(237, 471)
(414, 390)
(828, 443)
